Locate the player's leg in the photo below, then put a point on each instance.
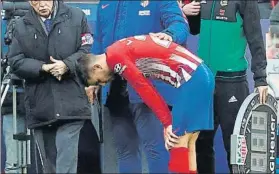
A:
(192, 112)
(188, 141)
(192, 152)
(179, 155)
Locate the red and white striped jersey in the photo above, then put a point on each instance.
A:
(140, 57)
(155, 58)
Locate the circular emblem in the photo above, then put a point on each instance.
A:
(254, 139)
(224, 2)
(144, 3)
(117, 68)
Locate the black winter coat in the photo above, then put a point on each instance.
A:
(49, 101)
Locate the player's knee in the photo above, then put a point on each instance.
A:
(193, 138)
(183, 141)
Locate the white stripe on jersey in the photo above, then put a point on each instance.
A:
(163, 68)
(186, 75)
(188, 53)
(122, 39)
(183, 61)
(178, 84)
(154, 67)
(166, 78)
(163, 43)
(140, 37)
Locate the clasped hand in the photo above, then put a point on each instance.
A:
(57, 68)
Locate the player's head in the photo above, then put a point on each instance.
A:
(94, 69)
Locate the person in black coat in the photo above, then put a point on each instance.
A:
(46, 44)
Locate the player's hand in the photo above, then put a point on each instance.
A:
(162, 36)
(170, 138)
(91, 93)
(263, 91)
(59, 68)
(192, 9)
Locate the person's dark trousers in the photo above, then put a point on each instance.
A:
(69, 148)
(231, 89)
(89, 160)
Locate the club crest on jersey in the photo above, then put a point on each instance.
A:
(144, 3)
(119, 69)
(224, 2)
(86, 39)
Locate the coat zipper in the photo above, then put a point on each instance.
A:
(210, 30)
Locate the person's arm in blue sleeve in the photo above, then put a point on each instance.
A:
(97, 45)
(175, 24)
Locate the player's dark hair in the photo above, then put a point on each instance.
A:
(83, 65)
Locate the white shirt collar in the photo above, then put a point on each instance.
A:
(54, 12)
(43, 19)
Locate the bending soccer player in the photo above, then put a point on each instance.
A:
(139, 58)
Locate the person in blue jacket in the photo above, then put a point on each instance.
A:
(134, 126)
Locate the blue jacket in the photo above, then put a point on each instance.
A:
(120, 19)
